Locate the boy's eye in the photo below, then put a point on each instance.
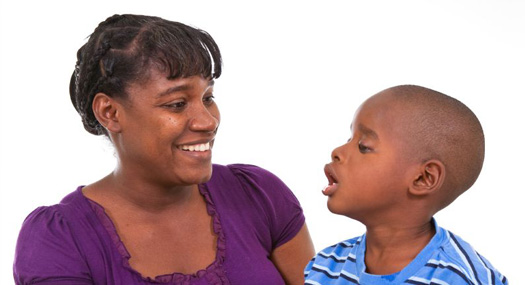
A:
(363, 148)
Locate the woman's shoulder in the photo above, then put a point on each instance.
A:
(48, 242)
(43, 218)
(49, 222)
(251, 182)
(50, 217)
(261, 196)
(46, 225)
(248, 173)
(70, 206)
(237, 167)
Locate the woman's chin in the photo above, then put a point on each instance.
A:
(198, 177)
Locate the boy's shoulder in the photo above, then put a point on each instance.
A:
(336, 262)
(342, 250)
(447, 258)
(457, 257)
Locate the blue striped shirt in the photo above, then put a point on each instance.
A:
(447, 259)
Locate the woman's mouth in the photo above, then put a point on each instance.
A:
(195, 147)
(197, 150)
(332, 181)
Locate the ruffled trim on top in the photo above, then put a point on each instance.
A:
(213, 274)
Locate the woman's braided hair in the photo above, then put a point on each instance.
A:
(124, 48)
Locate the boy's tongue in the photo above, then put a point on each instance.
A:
(330, 189)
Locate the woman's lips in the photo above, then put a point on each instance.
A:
(199, 149)
(332, 181)
(195, 147)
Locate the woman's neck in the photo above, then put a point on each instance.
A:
(141, 194)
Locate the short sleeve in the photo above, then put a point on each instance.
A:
(46, 252)
(281, 207)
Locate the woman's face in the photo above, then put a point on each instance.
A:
(167, 130)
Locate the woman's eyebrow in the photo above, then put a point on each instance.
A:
(174, 89)
(182, 87)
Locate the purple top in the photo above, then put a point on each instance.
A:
(75, 242)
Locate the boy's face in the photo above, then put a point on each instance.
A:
(368, 175)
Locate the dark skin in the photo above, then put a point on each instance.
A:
(159, 241)
(390, 192)
(163, 135)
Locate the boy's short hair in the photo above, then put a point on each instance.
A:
(437, 126)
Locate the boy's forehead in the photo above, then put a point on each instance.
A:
(385, 99)
(382, 105)
(383, 114)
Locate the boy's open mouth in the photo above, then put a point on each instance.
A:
(332, 181)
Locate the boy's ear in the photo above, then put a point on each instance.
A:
(106, 110)
(428, 179)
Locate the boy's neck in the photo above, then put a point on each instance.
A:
(389, 249)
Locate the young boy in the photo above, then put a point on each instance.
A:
(412, 152)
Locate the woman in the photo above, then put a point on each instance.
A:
(165, 214)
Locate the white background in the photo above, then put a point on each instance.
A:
(294, 73)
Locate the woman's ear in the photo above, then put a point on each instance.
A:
(106, 110)
(429, 178)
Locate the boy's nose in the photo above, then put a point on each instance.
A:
(336, 154)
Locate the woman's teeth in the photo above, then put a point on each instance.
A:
(196, 147)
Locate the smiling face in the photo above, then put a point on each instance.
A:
(368, 176)
(167, 130)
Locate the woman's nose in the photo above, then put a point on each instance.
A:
(204, 119)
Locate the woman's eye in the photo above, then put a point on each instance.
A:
(208, 100)
(363, 148)
(177, 105)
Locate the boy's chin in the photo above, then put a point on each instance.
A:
(337, 208)
(344, 209)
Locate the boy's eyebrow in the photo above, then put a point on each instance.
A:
(182, 87)
(367, 131)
